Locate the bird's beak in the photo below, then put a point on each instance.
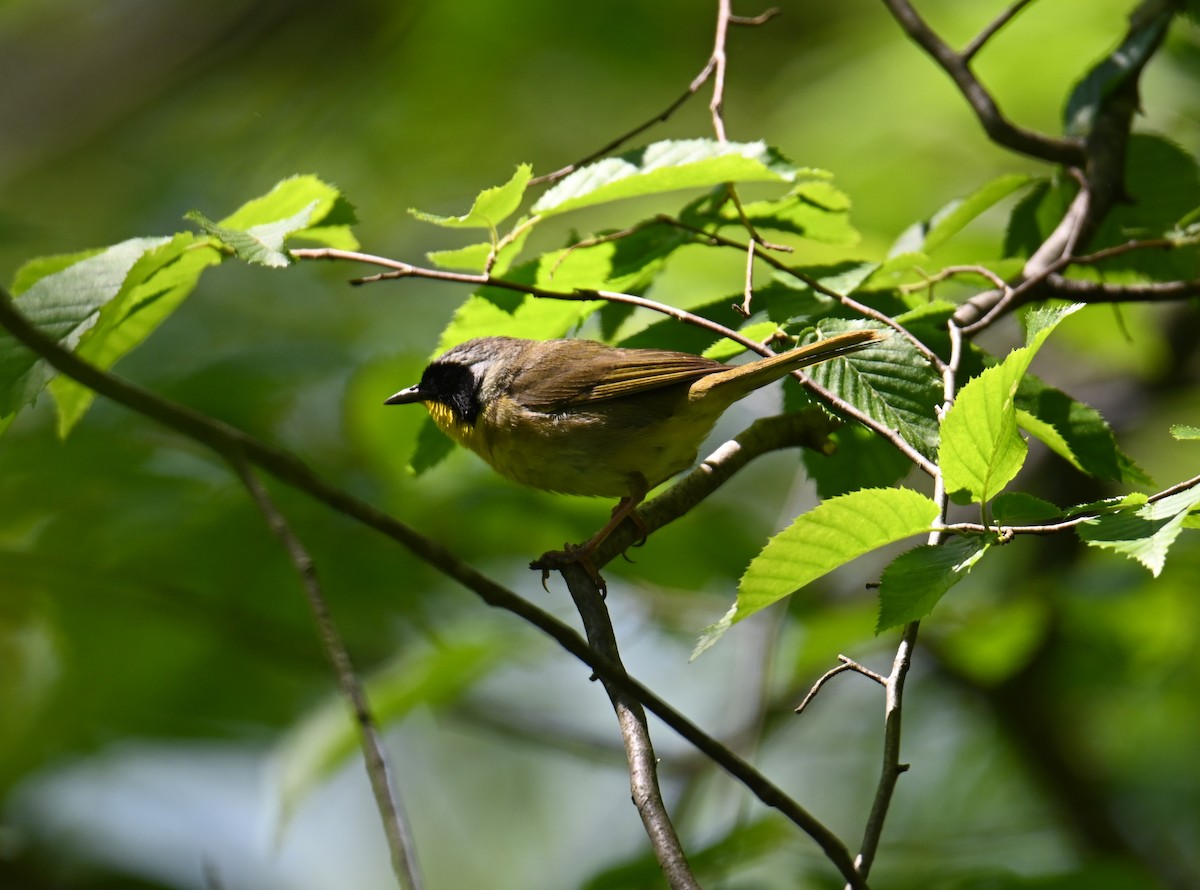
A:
(406, 396)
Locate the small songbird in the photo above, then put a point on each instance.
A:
(580, 417)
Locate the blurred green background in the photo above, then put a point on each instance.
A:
(158, 672)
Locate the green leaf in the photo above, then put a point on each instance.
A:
(1184, 432)
(492, 206)
(955, 216)
(63, 305)
(981, 450)
(830, 535)
(330, 214)
(889, 381)
(725, 349)
(474, 257)
(1019, 508)
(1074, 431)
(912, 585)
(327, 738)
(668, 166)
(261, 244)
(1144, 532)
(154, 288)
(294, 208)
(817, 210)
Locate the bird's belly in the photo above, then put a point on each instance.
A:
(591, 452)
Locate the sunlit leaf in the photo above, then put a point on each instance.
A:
(955, 216)
(668, 166)
(492, 206)
(832, 534)
(1144, 532)
(64, 305)
(981, 450)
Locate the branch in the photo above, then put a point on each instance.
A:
(287, 468)
(395, 823)
(635, 733)
(1068, 152)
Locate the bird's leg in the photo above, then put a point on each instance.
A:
(582, 553)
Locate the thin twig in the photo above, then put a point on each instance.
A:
(971, 49)
(847, 301)
(395, 823)
(846, 664)
(289, 469)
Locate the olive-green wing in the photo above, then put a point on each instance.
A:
(596, 372)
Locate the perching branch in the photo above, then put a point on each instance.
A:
(287, 468)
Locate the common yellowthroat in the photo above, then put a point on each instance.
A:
(580, 417)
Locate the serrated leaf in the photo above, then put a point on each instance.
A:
(327, 737)
(1074, 431)
(817, 210)
(474, 257)
(1144, 532)
(914, 582)
(297, 207)
(830, 535)
(154, 288)
(1019, 508)
(955, 216)
(1185, 432)
(288, 198)
(261, 244)
(667, 166)
(981, 450)
(889, 381)
(63, 305)
(492, 205)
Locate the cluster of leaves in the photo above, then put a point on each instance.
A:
(102, 303)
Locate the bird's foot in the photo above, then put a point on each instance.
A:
(571, 554)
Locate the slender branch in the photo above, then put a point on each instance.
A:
(635, 732)
(892, 767)
(714, 65)
(1068, 152)
(849, 302)
(846, 664)
(289, 469)
(387, 800)
(971, 49)
(718, 60)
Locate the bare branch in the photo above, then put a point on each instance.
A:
(972, 48)
(387, 800)
(1068, 152)
(847, 664)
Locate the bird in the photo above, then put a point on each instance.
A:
(577, 416)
